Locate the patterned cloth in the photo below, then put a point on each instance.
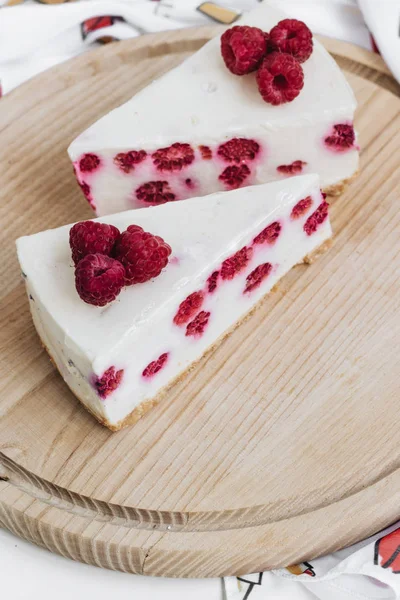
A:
(34, 37)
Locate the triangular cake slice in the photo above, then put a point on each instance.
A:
(200, 129)
(227, 253)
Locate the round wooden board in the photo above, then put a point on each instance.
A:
(284, 443)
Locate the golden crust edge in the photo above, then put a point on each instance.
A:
(147, 405)
(337, 189)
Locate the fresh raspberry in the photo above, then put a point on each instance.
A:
(212, 282)
(293, 169)
(89, 163)
(173, 158)
(196, 327)
(155, 192)
(280, 78)
(236, 263)
(292, 37)
(189, 307)
(99, 279)
(342, 137)
(87, 192)
(315, 220)
(206, 152)
(90, 237)
(254, 279)
(233, 176)
(238, 150)
(108, 382)
(126, 161)
(155, 366)
(143, 254)
(269, 235)
(243, 48)
(301, 208)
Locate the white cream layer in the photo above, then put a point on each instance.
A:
(138, 327)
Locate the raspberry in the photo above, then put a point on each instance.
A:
(143, 254)
(173, 158)
(188, 308)
(196, 327)
(206, 152)
(238, 150)
(236, 263)
(243, 48)
(294, 168)
(155, 192)
(342, 138)
(155, 365)
(89, 163)
(234, 176)
(108, 382)
(86, 192)
(280, 78)
(269, 235)
(99, 279)
(318, 217)
(90, 237)
(189, 183)
(212, 282)
(254, 279)
(126, 161)
(292, 37)
(301, 208)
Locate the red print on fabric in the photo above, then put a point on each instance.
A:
(387, 551)
(96, 23)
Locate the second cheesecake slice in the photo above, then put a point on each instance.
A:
(227, 251)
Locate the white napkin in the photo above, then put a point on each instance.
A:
(34, 37)
(369, 570)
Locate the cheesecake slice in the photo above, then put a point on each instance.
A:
(227, 252)
(200, 129)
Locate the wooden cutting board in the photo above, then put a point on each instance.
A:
(284, 443)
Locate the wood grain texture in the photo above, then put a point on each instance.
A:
(283, 443)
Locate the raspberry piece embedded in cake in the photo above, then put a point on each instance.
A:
(212, 282)
(173, 158)
(301, 208)
(155, 366)
(196, 327)
(236, 263)
(155, 192)
(142, 254)
(243, 48)
(295, 168)
(234, 176)
(280, 78)
(239, 150)
(108, 382)
(256, 277)
(126, 161)
(269, 235)
(89, 237)
(316, 219)
(87, 192)
(89, 163)
(341, 138)
(206, 152)
(188, 308)
(99, 279)
(292, 37)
